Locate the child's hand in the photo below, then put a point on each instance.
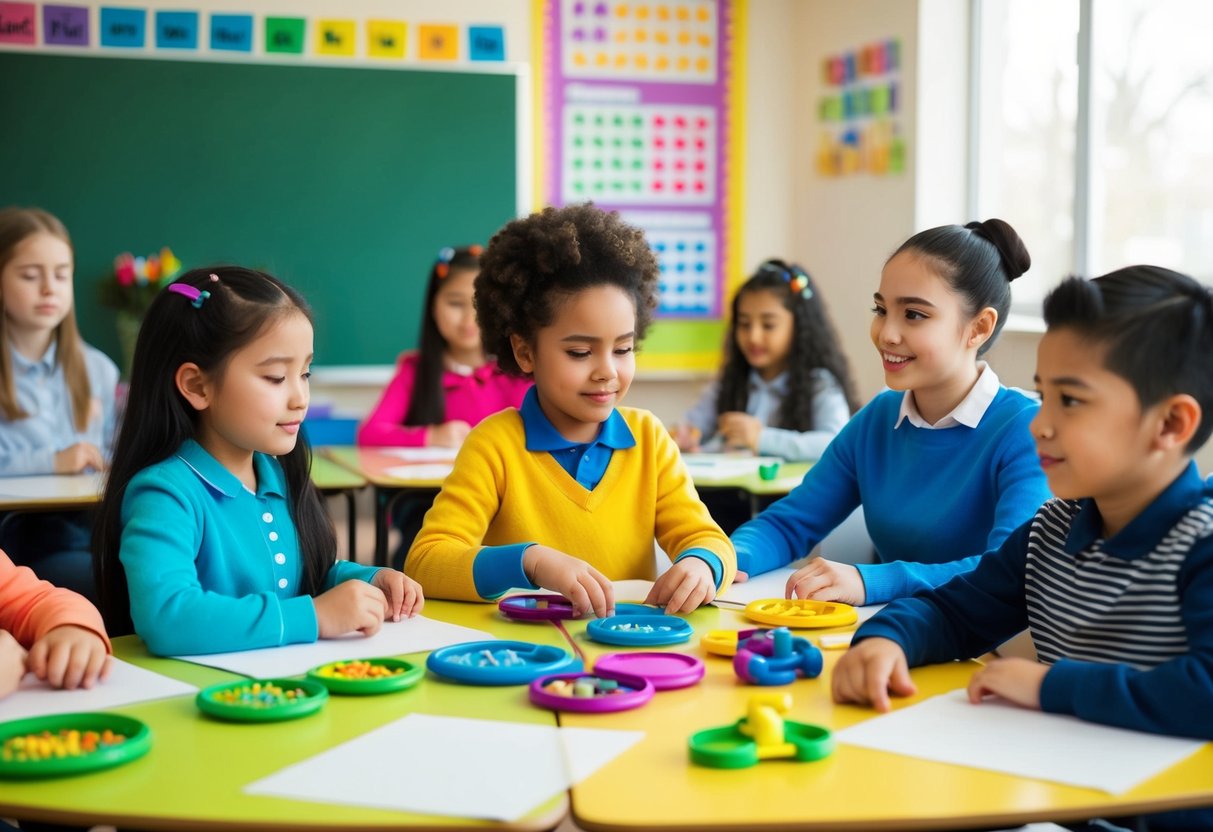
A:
(868, 671)
(12, 663)
(350, 606)
(1016, 680)
(687, 437)
(685, 587)
(825, 580)
(575, 579)
(403, 594)
(70, 657)
(79, 457)
(739, 430)
(448, 434)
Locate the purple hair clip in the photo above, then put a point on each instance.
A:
(196, 296)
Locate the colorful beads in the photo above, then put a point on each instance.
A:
(67, 743)
(627, 627)
(488, 658)
(259, 695)
(585, 687)
(358, 670)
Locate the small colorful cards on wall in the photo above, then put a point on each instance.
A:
(637, 120)
(860, 112)
(185, 30)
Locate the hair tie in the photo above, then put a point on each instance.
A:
(796, 277)
(475, 249)
(196, 296)
(443, 266)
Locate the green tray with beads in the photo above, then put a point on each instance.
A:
(262, 700)
(373, 676)
(30, 748)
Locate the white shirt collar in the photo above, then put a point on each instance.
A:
(968, 413)
(779, 384)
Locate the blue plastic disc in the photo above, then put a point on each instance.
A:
(639, 630)
(500, 662)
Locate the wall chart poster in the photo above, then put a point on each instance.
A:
(635, 116)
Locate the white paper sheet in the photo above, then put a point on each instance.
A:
(431, 454)
(53, 486)
(711, 467)
(469, 768)
(126, 685)
(395, 638)
(998, 736)
(434, 471)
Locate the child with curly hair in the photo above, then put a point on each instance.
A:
(569, 492)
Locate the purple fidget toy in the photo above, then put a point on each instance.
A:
(536, 607)
(592, 692)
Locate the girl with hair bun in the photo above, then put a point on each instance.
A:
(942, 462)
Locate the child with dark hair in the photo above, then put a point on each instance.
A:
(1114, 577)
(942, 463)
(569, 491)
(785, 388)
(444, 388)
(211, 536)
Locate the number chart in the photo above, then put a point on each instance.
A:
(635, 103)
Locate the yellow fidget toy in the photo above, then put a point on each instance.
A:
(800, 613)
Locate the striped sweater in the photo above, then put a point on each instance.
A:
(1125, 623)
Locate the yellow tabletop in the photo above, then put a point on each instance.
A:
(376, 465)
(50, 492)
(654, 786)
(196, 771)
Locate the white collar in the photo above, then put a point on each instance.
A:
(968, 413)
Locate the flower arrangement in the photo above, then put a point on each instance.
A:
(136, 281)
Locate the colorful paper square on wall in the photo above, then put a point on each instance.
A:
(672, 40)
(284, 35)
(385, 38)
(65, 25)
(486, 43)
(232, 32)
(123, 28)
(335, 37)
(858, 114)
(438, 42)
(176, 30)
(17, 23)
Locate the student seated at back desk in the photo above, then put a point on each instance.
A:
(1114, 577)
(446, 387)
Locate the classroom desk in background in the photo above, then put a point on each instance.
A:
(383, 469)
(195, 773)
(69, 492)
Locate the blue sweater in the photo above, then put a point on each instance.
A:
(1125, 623)
(933, 500)
(212, 567)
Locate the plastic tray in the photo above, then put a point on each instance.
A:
(314, 698)
(800, 613)
(410, 674)
(137, 743)
(463, 662)
(618, 630)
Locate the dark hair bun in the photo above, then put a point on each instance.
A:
(1014, 254)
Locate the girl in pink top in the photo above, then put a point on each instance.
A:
(448, 385)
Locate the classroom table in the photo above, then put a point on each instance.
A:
(334, 480)
(853, 789)
(195, 772)
(376, 465)
(381, 467)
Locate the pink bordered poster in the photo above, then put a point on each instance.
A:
(638, 112)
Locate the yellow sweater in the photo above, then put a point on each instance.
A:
(500, 493)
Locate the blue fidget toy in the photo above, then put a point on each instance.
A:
(499, 662)
(639, 630)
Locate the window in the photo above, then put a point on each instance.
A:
(1098, 156)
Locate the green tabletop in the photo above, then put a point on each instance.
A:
(196, 771)
(329, 476)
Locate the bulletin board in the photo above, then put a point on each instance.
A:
(639, 110)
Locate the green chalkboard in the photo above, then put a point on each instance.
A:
(343, 181)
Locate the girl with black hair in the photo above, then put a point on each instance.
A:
(211, 536)
(785, 389)
(444, 388)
